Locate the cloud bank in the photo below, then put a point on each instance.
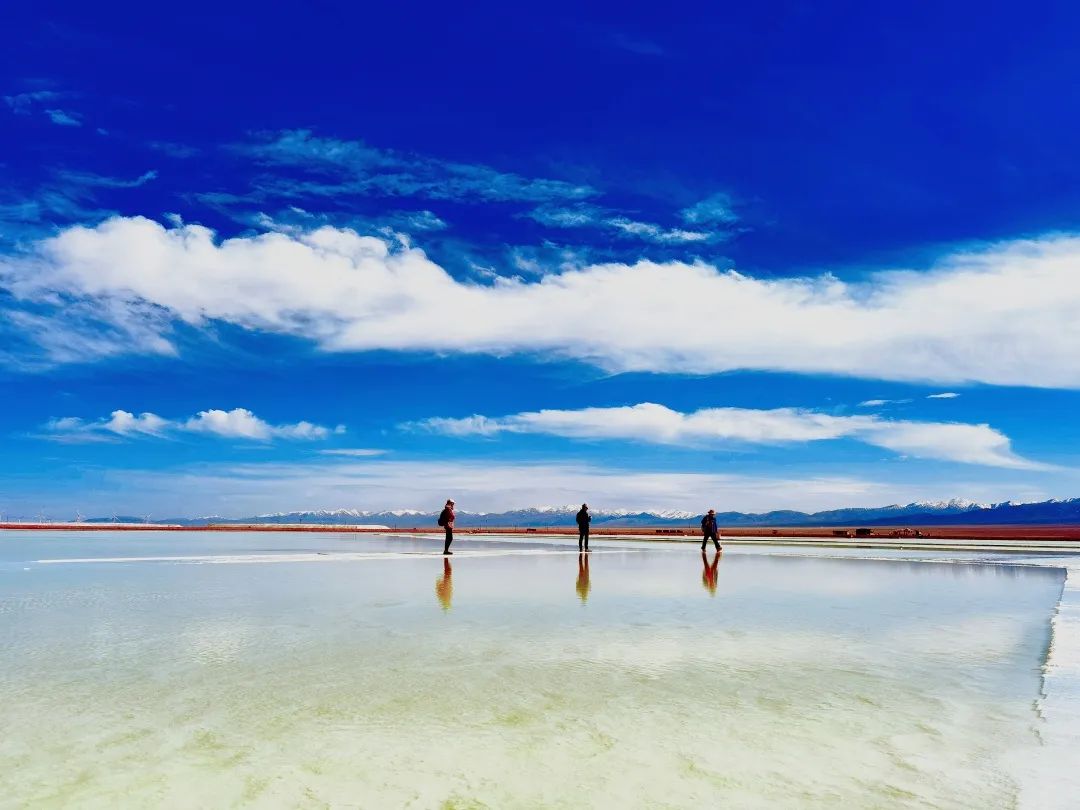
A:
(239, 423)
(649, 422)
(1006, 315)
(245, 489)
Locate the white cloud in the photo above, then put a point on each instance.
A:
(877, 403)
(649, 422)
(239, 423)
(1005, 315)
(126, 424)
(943, 395)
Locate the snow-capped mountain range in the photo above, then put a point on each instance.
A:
(952, 512)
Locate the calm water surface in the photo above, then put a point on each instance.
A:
(374, 674)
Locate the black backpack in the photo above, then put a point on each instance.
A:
(705, 523)
(443, 518)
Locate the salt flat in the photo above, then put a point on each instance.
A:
(138, 671)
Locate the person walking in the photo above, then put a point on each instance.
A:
(446, 520)
(583, 521)
(709, 531)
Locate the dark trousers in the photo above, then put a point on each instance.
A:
(582, 537)
(710, 536)
(449, 537)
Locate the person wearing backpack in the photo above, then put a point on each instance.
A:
(446, 520)
(583, 521)
(709, 530)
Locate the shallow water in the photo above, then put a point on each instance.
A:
(373, 674)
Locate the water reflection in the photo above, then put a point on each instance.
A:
(444, 585)
(583, 585)
(709, 572)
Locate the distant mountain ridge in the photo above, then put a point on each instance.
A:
(941, 513)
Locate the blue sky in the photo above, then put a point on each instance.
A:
(324, 255)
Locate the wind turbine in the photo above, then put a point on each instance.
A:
(146, 518)
(79, 516)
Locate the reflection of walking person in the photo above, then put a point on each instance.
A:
(583, 578)
(709, 531)
(446, 520)
(583, 521)
(708, 574)
(444, 586)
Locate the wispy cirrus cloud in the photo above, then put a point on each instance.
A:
(64, 118)
(1003, 315)
(26, 103)
(593, 216)
(239, 423)
(335, 166)
(94, 180)
(351, 166)
(716, 210)
(67, 196)
(878, 403)
(35, 101)
(650, 422)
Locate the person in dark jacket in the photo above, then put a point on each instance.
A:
(446, 520)
(583, 521)
(709, 530)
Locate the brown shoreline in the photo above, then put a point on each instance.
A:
(889, 533)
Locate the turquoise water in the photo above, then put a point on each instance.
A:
(347, 670)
